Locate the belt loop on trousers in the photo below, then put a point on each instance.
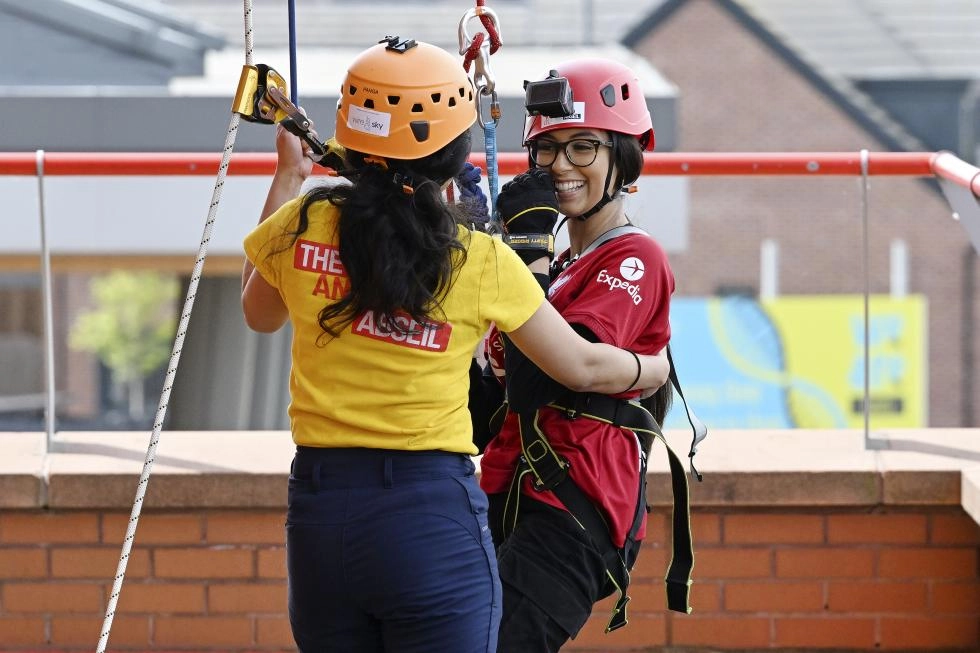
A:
(388, 480)
(316, 476)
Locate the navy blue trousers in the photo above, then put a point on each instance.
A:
(389, 552)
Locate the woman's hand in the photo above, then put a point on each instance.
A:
(292, 154)
(660, 363)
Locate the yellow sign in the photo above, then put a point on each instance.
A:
(823, 347)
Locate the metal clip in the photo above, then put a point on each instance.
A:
(482, 76)
(261, 97)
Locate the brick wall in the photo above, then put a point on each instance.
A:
(792, 579)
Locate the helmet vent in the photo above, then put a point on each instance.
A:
(393, 100)
(436, 98)
(420, 129)
(625, 89)
(608, 94)
(452, 102)
(352, 90)
(417, 107)
(369, 103)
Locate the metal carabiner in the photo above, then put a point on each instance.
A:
(482, 75)
(494, 107)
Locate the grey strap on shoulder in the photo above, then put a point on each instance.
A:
(615, 232)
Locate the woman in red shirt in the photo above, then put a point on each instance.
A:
(612, 285)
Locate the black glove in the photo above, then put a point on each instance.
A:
(528, 209)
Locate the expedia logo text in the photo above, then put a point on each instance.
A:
(615, 283)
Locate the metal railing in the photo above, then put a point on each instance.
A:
(959, 180)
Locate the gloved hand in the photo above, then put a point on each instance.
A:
(471, 197)
(528, 208)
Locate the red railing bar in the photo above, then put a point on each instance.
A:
(921, 164)
(948, 166)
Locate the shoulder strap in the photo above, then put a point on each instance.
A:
(615, 232)
(697, 426)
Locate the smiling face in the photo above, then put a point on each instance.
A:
(579, 188)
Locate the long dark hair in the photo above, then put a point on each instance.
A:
(400, 249)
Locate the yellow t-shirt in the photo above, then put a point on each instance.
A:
(369, 387)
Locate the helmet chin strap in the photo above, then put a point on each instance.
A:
(601, 204)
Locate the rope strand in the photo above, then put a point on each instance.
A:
(174, 356)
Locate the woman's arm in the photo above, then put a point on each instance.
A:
(584, 366)
(262, 304)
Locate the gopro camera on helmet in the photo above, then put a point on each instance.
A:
(551, 97)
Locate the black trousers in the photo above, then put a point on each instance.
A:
(551, 573)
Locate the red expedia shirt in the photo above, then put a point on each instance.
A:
(621, 292)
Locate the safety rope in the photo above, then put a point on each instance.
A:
(175, 354)
(478, 49)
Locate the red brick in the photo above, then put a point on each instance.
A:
(774, 597)
(954, 529)
(162, 598)
(272, 563)
(956, 597)
(212, 562)
(928, 563)
(22, 631)
(873, 528)
(647, 595)
(52, 597)
(155, 528)
(245, 527)
(711, 564)
(825, 632)
(86, 631)
(203, 632)
(726, 632)
(651, 563)
(247, 598)
(23, 563)
(705, 597)
(769, 528)
(92, 562)
(858, 597)
(273, 631)
(658, 533)
(33, 527)
(705, 528)
(824, 563)
(929, 632)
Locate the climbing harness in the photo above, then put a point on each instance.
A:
(478, 48)
(550, 472)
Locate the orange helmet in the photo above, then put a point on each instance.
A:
(607, 96)
(404, 99)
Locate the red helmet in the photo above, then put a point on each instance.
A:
(607, 96)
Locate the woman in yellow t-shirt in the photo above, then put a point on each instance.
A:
(388, 296)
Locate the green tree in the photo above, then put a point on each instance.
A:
(130, 328)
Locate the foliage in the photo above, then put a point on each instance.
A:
(132, 324)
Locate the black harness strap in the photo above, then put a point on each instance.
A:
(550, 472)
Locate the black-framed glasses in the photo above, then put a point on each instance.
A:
(580, 152)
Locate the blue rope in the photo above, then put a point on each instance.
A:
(490, 136)
(293, 94)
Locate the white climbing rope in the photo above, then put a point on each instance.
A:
(175, 354)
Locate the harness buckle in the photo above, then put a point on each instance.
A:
(547, 480)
